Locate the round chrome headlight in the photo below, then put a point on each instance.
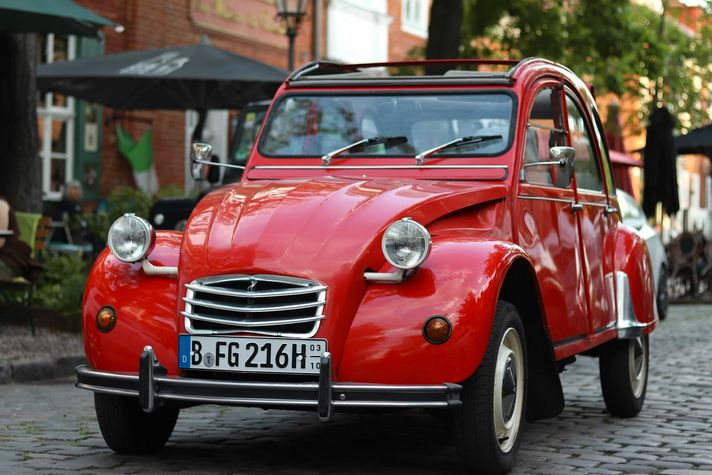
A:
(130, 238)
(406, 244)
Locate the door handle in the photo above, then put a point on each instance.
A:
(576, 207)
(611, 210)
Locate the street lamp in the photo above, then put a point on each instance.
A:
(291, 13)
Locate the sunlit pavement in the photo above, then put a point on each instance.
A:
(51, 428)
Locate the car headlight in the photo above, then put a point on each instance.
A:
(406, 244)
(130, 238)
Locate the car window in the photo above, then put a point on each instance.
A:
(246, 133)
(588, 173)
(605, 156)
(545, 129)
(314, 125)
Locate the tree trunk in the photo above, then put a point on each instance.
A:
(444, 33)
(20, 163)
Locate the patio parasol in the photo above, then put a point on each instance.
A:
(50, 16)
(660, 169)
(197, 77)
(695, 141)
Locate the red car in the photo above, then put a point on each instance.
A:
(446, 242)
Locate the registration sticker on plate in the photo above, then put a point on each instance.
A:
(261, 355)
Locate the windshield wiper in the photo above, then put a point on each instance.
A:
(399, 139)
(469, 140)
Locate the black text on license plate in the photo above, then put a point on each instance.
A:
(265, 355)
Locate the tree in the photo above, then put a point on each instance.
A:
(614, 44)
(444, 33)
(20, 164)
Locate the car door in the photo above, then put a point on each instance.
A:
(545, 222)
(592, 211)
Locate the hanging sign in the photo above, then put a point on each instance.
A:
(254, 20)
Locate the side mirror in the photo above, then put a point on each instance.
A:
(565, 158)
(200, 160)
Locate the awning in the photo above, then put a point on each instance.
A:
(50, 16)
(620, 158)
(621, 164)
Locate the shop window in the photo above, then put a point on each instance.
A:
(414, 17)
(55, 121)
(367, 20)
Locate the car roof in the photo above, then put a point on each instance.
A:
(331, 74)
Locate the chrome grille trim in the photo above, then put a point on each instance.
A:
(252, 308)
(256, 295)
(213, 306)
(251, 323)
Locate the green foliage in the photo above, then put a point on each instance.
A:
(120, 201)
(61, 287)
(614, 44)
(169, 191)
(126, 199)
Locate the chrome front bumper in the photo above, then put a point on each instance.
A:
(152, 385)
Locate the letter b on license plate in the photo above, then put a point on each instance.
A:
(261, 355)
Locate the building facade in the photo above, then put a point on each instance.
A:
(79, 141)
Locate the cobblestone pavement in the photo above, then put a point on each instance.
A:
(50, 428)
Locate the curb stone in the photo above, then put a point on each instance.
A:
(24, 371)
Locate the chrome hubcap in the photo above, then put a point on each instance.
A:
(508, 389)
(637, 366)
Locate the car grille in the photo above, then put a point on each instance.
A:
(260, 304)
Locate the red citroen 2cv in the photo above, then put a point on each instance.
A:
(447, 242)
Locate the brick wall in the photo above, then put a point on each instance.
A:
(401, 43)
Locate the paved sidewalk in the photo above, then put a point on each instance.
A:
(48, 354)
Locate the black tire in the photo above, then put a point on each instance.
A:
(663, 298)
(486, 442)
(129, 430)
(624, 375)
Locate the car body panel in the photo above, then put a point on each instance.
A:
(634, 217)
(460, 282)
(145, 307)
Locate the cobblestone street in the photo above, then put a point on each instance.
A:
(51, 428)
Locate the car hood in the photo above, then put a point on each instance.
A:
(311, 227)
(327, 230)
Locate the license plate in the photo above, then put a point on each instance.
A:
(259, 355)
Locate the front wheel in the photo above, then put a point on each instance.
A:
(624, 375)
(488, 424)
(129, 430)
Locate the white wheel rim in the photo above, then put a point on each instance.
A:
(637, 366)
(508, 396)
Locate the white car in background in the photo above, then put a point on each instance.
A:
(634, 217)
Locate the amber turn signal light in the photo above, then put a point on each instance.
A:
(437, 329)
(106, 319)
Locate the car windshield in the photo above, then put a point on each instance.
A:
(317, 125)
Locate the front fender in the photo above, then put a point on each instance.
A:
(632, 258)
(145, 308)
(461, 280)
